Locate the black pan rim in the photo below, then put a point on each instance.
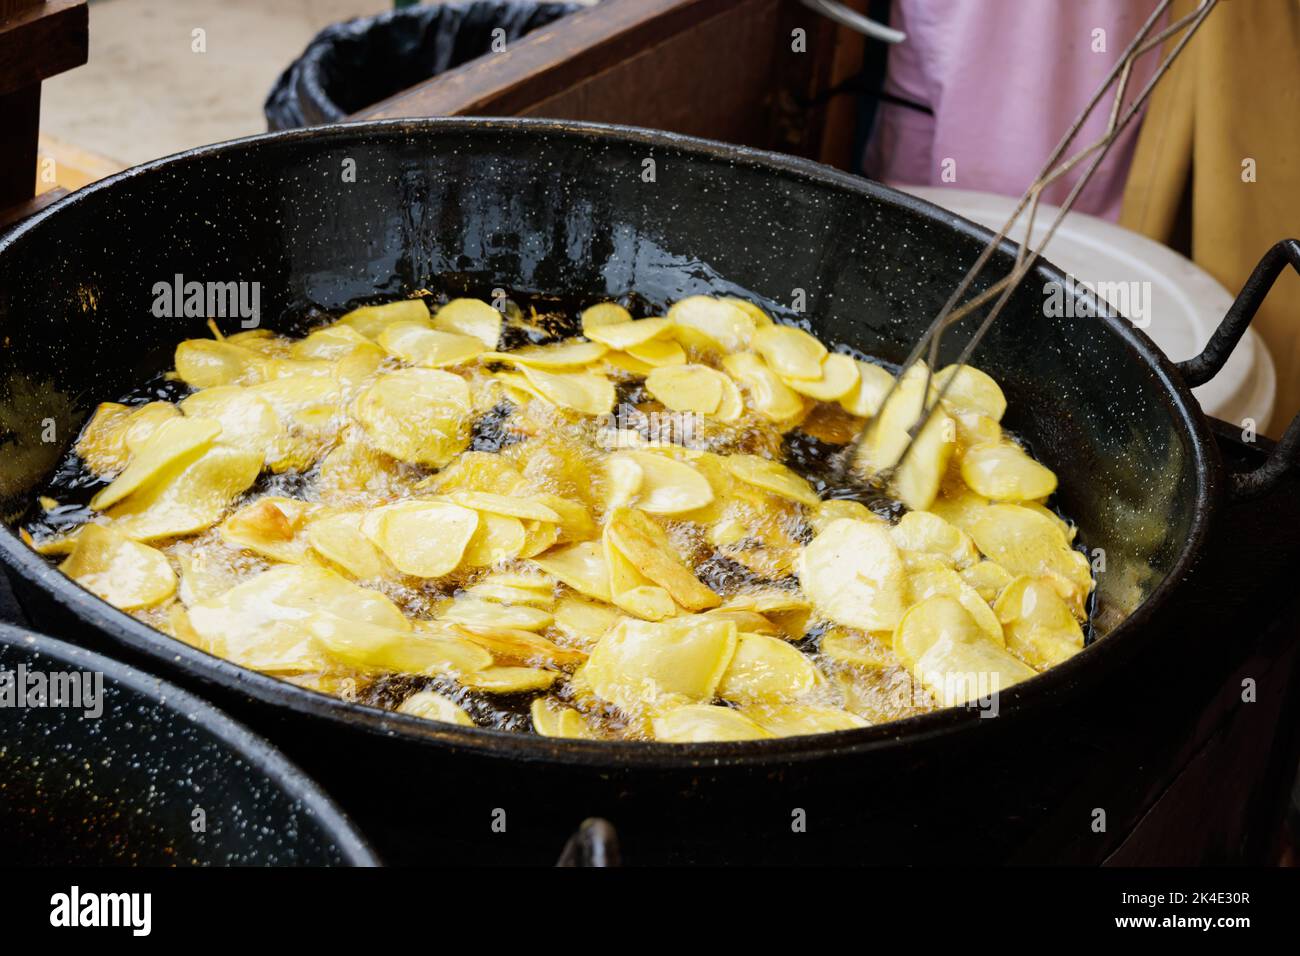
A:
(1018, 702)
(255, 749)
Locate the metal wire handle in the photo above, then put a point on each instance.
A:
(1052, 170)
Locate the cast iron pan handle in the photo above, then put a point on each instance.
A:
(1199, 370)
(595, 844)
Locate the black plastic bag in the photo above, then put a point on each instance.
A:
(351, 65)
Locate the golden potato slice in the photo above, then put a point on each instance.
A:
(827, 511)
(708, 323)
(928, 575)
(584, 622)
(480, 613)
(680, 660)
(975, 429)
(248, 422)
(334, 342)
(1002, 471)
(371, 320)
(339, 538)
(566, 355)
(646, 546)
(916, 481)
(263, 623)
(426, 539)
(667, 486)
(657, 353)
(427, 651)
(760, 317)
(581, 566)
(627, 334)
(269, 527)
(202, 363)
(768, 394)
(790, 352)
(122, 572)
(510, 680)
(430, 706)
(839, 378)
(525, 647)
(767, 669)
(417, 415)
(188, 496)
(771, 476)
(702, 723)
(576, 522)
(959, 509)
(951, 656)
(515, 506)
(589, 393)
(862, 651)
(175, 440)
(854, 576)
(988, 578)
(631, 590)
(797, 720)
(550, 719)
(924, 532)
(874, 383)
(1028, 543)
(971, 390)
(476, 471)
(203, 575)
(687, 388)
(116, 431)
(497, 538)
(417, 344)
(470, 317)
(1040, 627)
(603, 314)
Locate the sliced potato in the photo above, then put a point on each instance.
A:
(701, 723)
(771, 476)
(510, 680)
(854, 576)
(628, 334)
(560, 357)
(874, 383)
(768, 669)
(476, 612)
(552, 720)
(943, 647)
(371, 320)
(177, 439)
(125, 573)
(680, 660)
(470, 317)
(339, 538)
(687, 388)
(838, 380)
(1002, 471)
(589, 393)
(796, 720)
(417, 344)
(430, 706)
(924, 532)
(603, 314)
(709, 323)
(971, 390)
(581, 566)
(768, 394)
(416, 414)
(646, 545)
(426, 539)
(1040, 627)
(790, 352)
(667, 486)
(188, 496)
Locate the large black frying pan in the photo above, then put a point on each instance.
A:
(330, 217)
(117, 780)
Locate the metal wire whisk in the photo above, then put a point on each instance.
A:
(956, 309)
